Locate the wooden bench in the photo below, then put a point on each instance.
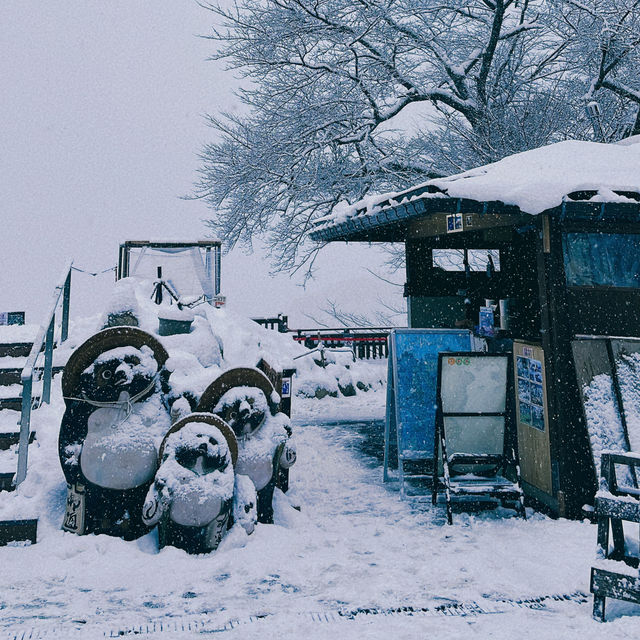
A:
(616, 573)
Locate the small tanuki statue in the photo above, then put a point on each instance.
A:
(115, 419)
(246, 400)
(192, 497)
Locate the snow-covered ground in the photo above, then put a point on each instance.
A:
(354, 545)
(354, 562)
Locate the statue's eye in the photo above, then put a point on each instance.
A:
(251, 401)
(233, 415)
(107, 373)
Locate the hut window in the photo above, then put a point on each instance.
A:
(454, 259)
(602, 259)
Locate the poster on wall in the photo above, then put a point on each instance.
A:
(530, 390)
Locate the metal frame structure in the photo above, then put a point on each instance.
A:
(212, 257)
(496, 484)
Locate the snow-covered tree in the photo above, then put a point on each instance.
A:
(603, 53)
(330, 86)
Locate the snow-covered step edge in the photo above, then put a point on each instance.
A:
(15, 390)
(17, 362)
(9, 460)
(18, 532)
(9, 421)
(18, 333)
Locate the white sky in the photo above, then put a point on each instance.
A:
(102, 106)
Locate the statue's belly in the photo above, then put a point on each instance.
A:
(117, 458)
(191, 509)
(259, 470)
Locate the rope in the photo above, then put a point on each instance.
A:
(117, 404)
(92, 273)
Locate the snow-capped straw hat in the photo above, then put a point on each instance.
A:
(102, 341)
(207, 418)
(238, 377)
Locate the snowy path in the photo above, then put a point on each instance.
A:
(354, 545)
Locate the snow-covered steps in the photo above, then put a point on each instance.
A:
(10, 429)
(15, 345)
(18, 532)
(12, 375)
(18, 333)
(8, 466)
(15, 349)
(11, 396)
(16, 340)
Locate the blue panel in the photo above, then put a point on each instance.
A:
(415, 372)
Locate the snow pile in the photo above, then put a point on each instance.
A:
(134, 362)
(173, 312)
(628, 368)
(237, 394)
(540, 179)
(534, 180)
(122, 303)
(246, 343)
(606, 432)
(220, 339)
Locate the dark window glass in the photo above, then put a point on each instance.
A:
(602, 259)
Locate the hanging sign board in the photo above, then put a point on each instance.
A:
(412, 387)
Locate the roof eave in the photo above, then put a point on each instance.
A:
(389, 223)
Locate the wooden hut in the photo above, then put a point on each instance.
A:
(555, 232)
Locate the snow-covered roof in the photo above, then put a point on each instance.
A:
(541, 179)
(534, 181)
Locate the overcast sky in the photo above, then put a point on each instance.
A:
(102, 106)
